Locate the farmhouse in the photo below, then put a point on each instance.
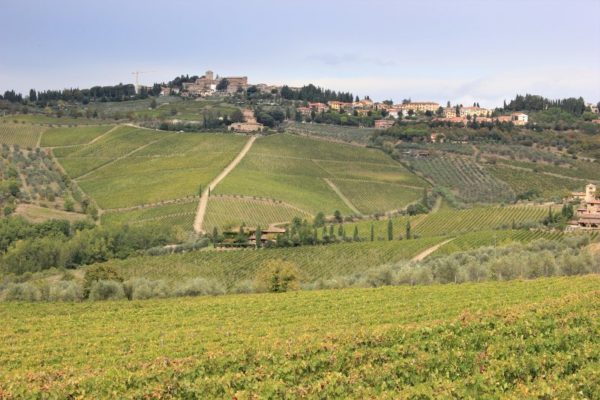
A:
(384, 123)
(588, 212)
(246, 236)
(339, 105)
(249, 125)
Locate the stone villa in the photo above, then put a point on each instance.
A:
(588, 212)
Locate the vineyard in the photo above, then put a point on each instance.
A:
(291, 169)
(24, 135)
(470, 182)
(475, 240)
(72, 135)
(372, 197)
(168, 166)
(546, 186)
(180, 214)
(448, 221)
(231, 268)
(227, 212)
(517, 339)
(332, 132)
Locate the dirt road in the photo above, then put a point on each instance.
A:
(199, 220)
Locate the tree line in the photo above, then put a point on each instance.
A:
(313, 93)
(531, 102)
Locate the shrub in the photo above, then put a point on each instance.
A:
(21, 292)
(97, 273)
(106, 290)
(199, 287)
(142, 288)
(278, 276)
(65, 291)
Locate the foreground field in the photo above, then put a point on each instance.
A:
(518, 339)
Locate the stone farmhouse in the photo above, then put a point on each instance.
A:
(250, 123)
(588, 212)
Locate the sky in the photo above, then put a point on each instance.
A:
(462, 51)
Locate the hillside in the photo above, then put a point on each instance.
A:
(492, 340)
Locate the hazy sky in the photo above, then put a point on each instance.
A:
(462, 51)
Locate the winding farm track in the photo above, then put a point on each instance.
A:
(199, 220)
(341, 196)
(424, 254)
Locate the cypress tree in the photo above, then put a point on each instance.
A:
(355, 236)
(390, 230)
(258, 236)
(372, 232)
(408, 229)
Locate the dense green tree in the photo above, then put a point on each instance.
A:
(390, 230)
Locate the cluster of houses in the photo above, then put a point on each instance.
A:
(457, 114)
(210, 84)
(588, 212)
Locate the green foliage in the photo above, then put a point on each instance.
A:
(277, 276)
(96, 273)
(106, 290)
(515, 339)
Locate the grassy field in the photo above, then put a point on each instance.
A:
(24, 135)
(517, 339)
(230, 268)
(35, 213)
(41, 119)
(292, 169)
(72, 135)
(226, 212)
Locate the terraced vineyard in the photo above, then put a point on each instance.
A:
(24, 135)
(233, 267)
(518, 339)
(470, 182)
(72, 135)
(227, 212)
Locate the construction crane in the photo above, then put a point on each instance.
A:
(137, 78)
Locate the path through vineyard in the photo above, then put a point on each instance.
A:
(198, 222)
(422, 255)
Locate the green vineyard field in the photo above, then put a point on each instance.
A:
(227, 212)
(24, 135)
(75, 135)
(448, 221)
(517, 339)
(471, 182)
(235, 266)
